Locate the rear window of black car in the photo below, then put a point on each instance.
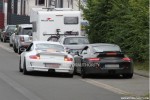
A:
(102, 48)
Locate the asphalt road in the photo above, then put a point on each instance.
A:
(45, 86)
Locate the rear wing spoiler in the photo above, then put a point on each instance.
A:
(110, 54)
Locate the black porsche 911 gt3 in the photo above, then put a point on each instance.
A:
(103, 58)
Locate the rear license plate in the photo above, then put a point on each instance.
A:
(112, 66)
(52, 65)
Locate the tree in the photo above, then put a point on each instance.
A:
(123, 22)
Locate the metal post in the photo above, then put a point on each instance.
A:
(79, 5)
(5, 12)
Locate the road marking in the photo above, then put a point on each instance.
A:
(105, 86)
(28, 94)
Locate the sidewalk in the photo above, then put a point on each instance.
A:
(141, 72)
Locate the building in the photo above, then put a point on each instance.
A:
(1, 14)
(24, 6)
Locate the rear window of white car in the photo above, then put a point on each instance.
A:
(46, 46)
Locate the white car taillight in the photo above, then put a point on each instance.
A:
(34, 57)
(67, 59)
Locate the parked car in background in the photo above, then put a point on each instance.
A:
(8, 31)
(103, 58)
(22, 38)
(11, 40)
(73, 44)
(46, 56)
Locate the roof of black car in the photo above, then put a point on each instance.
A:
(98, 44)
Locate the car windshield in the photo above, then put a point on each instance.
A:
(27, 31)
(76, 40)
(46, 46)
(10, 28)
(102, 48)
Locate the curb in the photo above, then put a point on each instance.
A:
(141, 74)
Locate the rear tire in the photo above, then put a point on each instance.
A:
(15, 49)
(10, 45)
(4, 40)
(19, 52)
(25, 72)
(129, 75)
(70, 75)
(83, 74)
(20, 69)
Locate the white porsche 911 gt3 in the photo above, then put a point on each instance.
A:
(46, 56)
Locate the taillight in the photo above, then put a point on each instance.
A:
(111, 53)
(126, 59)
(34, 57)
(67, 59)
(94, 59)
(22, 39)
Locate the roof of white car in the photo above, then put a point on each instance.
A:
(50, 42)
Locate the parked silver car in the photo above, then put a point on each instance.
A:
(73, 44)
(22, 38)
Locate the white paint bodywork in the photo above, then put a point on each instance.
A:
(39, 64)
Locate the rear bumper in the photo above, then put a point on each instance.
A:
(123, 69)
(40, 66)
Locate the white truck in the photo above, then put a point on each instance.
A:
(52, 23)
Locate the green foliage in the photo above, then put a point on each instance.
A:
(123, 22)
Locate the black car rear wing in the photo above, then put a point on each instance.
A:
(110, 54)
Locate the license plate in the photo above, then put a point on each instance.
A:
(112, 66)
(52, 65)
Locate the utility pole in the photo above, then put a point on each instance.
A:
(79, 5)
(5, 12)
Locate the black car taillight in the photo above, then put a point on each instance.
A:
(94, 59)
(126, 59)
